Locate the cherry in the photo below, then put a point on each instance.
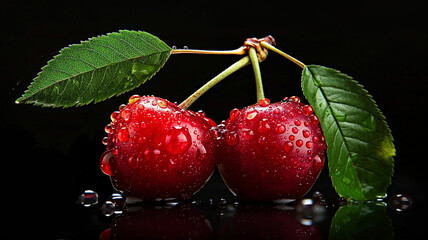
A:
(271, 151)
(157, 150)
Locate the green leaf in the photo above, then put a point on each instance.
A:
(360, 148)
(365, 220)
(97, 69)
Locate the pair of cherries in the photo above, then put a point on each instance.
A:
(157, 150)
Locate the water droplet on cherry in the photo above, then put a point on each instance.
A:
(178, 140)
(308, 110)
(264, 126)
(105, 163)
(126, 114)
(297, 122)
(108, 128)
(309, 144)
(232, 138)
(247, 134)
(162, 103)
(295, 130)
(314, 119)
(264, 102)
(251, 115)
(280, 129)
(123, 134)
(288, 146)
(306, 133)
(299, 143)
(234, 113)
(133, 99)
(114, 116)
(317, 164)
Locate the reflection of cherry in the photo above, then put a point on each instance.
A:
(266, 222)
(178, 222)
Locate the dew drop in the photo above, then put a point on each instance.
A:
(151, 153)
(134, 162)
(251, 115)
(105, 140)
(126, 114)
(306, 133)
(108, 128)
(291, 137)
(314, 119)
(88, 198)
(178, 140)
(306, 124)
(202, 152)
(288, 146)
(123, 134)
(279, 129)
(315, 139)
(308, 110)
(114, 116)
(162, 103)
(295, 130)
(234, 113)
(297, 122)
(247, 134)
(133, 99)
(309, 144)
(264, 102)
(232, 138)
(276, 110)
(299, 143)
(317, 164)
(264, 126)
(105, 162)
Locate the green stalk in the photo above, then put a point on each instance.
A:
(257, 74)
(270, 47)
(233, 68)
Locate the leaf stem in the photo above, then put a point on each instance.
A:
(270, 47)
(257, 74)
(228, 71)
(238, 51)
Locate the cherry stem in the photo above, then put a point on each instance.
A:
(228, 71)
(270, 47)
(257, 74)
(238, 51)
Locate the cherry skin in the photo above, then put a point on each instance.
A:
(156, 150)
(271, 151)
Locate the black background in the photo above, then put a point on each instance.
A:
(50, 156)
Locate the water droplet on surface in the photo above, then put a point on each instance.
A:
(280, 129)
(123, 134)
(105, 162)
(400, 202)
(299, 143)
(185, 47)
(126, 114)
(291, 137)
(288, 146)
(105, 141)
(247, 134)
(174, 47)
(309, 144)
(114, 116)
(162, 103)
(309, 211)
(297, 122)
(88, 198)
(133, 99)
(234, 113)
(314, 119)
(306, 133)
(118, 202)
(178, 140)
(107, 128)
(264, 126)
(295, 130)
(152, 153)
(308, 110)
(134, 162)
(317, 164)
(264, 102)
(251, 115)
(232, 138)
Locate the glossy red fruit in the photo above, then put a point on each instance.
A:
(271, 151)
(157, 150)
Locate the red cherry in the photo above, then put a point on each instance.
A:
(271, 152)
(157, 150)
